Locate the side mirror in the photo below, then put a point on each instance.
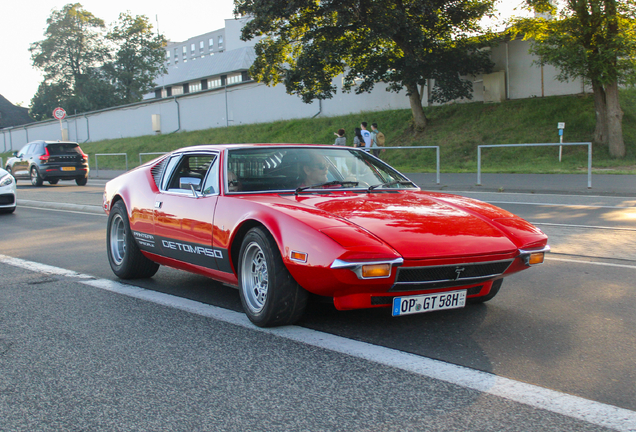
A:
(15, 154)
(190, 182)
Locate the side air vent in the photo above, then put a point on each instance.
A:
(157, 171)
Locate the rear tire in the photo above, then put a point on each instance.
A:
(36, 180)
(81, 181)
(496, 286)
(269, 294)
(124, 256)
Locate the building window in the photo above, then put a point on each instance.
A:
(192, 48)
(168, 91)
(233, 79)
(194, 87)
(220, 40)
(177, 90)
(186, 88)
(245, 76)
(158, 93)
(176, 54)
(184, 51)
(214, 82)
(168, 55)
(201, 46)
(210, 43)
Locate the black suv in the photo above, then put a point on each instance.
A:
(51, 161)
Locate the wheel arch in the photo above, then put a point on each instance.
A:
(237, 241)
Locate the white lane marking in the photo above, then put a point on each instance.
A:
(583, 226)
(542, 195)
(592, 263)
(538, 397)
(562, 205)
(63, 211)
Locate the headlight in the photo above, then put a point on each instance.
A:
(6, 180)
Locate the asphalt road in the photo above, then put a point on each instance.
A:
(75, 357)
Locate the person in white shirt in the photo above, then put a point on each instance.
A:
(366, 135)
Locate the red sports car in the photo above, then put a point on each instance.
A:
(282, 221)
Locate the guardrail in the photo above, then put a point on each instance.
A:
(418, 147)
(151, 153)
(109, 154)
(589, 156)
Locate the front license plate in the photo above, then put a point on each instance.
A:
(428, 302)
(68, 168)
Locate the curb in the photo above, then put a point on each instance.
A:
(62, 206)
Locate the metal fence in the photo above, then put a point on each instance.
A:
(419, 147)
(109, 154)
(589, 156)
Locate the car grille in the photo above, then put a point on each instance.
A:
(418, 278)
(6, 199)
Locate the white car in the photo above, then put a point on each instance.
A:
(7, 192)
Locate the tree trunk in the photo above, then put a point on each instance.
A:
(419, 118)
(614, 121)
(600, 111)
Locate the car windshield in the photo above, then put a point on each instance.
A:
(299, 169)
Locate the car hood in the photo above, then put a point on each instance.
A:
(420, 225)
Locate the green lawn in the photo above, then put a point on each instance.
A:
(457, 128)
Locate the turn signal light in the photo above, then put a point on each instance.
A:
(376, 270)
(536, 258)
(298, 256)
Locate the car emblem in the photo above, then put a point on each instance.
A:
(458, 271)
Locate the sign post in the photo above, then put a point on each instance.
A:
(59, 114)
(561, 126)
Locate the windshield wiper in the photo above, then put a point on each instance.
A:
(393, 183)
(331, 183)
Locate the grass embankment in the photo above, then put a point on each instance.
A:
(457, 128)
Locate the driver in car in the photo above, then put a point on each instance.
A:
(314, 171)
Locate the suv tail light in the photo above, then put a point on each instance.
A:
(84, 155)
(45, 156)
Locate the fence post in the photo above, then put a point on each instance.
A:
(478, 165)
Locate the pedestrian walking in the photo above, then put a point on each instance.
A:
(377, 140)
(358, 140)
(341, 140)
(366, 135)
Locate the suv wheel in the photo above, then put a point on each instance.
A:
(81, 181)
(36, 180)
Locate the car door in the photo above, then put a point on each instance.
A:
(184, 209)
(20, 167)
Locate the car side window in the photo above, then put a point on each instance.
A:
(24, 150)
(190, 170)
(168, 172)
(211, 184)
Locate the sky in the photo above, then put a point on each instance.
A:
(24, 22)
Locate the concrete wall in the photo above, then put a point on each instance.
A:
(246, 103)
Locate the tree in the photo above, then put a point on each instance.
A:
(86, 69)
(594, 40)
(138, 59)
(73, 46)
(403, 43)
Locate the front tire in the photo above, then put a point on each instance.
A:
(36, 179)
(81, 181)
(269, 294)
(496, 286)
(124, 256)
